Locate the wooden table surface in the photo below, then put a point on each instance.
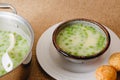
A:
(42, 14)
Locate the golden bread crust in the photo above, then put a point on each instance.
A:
(106, 72)
(114, 60)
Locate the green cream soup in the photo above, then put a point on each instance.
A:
(18, 52)
(81, 40)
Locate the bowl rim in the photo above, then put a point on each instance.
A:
(65, 54)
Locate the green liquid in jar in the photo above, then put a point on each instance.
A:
(81, 40)
(19, 51)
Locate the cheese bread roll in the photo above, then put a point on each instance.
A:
(106, 72)
(114, 60)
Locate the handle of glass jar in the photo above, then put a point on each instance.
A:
(8, 6)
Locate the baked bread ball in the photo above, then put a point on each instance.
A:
(106, 72)
(114, 60)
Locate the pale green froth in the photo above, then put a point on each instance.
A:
(19, 51)
(81, 40)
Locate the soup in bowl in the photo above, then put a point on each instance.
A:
(81, 40)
